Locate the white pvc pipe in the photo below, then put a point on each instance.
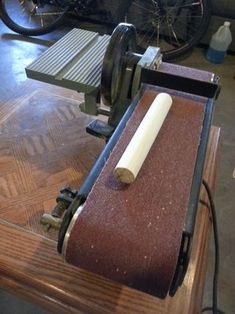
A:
(137, 150)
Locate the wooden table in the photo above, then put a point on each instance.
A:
(43, 146)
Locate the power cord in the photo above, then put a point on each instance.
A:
(214, 307)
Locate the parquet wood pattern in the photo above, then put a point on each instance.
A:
(43, 147)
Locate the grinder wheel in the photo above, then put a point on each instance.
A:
(123, 40)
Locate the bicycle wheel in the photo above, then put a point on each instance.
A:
(32, 17)
(173, 25)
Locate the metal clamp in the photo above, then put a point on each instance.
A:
(63, 200)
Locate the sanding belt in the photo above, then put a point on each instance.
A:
(132, 233)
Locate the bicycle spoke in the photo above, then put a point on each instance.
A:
(184, 25)
(194, 16)
(47, 14)
(144, 23)
(188, 5)
(151, 36)
(174, 34)
(144, 37)
(142, 7)
(158, 34)
(26, 15)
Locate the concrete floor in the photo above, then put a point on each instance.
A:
(17, 52)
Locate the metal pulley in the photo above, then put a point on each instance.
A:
(118, 72)
(122, 41)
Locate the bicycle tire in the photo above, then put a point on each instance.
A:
(41, 30)
(148, 19)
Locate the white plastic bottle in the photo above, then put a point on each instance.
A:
(219, 44)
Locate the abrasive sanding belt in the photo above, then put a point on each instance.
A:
(132, 233)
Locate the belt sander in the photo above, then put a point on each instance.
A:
(138, 234)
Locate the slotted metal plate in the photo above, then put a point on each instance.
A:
(74, 62)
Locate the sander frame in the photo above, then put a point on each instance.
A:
(123, 75)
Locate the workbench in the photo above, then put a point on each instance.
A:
(39, 154)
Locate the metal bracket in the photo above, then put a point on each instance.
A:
(63, 200)
(150, 59)
(180, 83)
(90, 105)
(100, 129)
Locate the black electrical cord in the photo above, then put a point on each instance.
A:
(214, 307)
(210, 308)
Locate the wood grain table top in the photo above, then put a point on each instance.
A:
(43, 147)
